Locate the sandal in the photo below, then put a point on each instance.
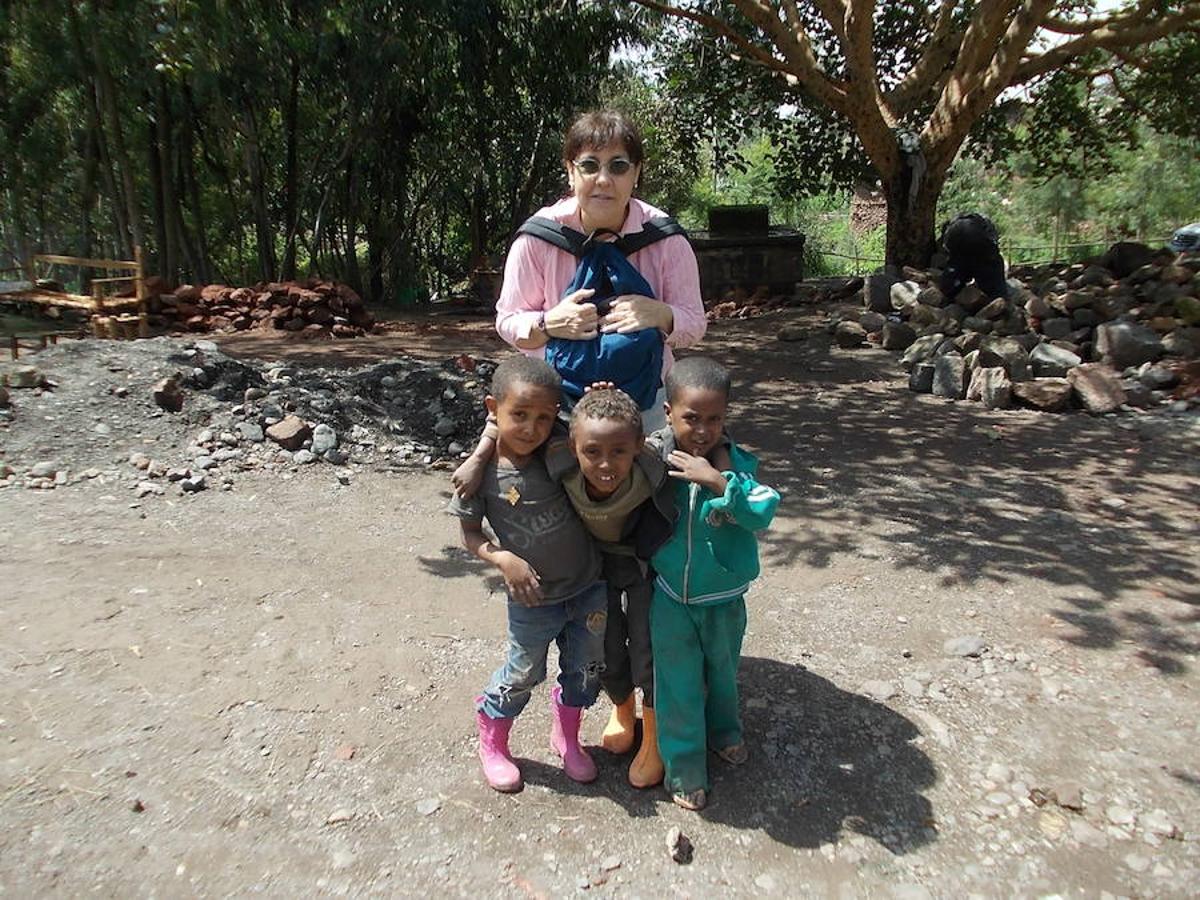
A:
(734, 754)
(694, 800)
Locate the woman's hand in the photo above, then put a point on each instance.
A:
(633, 312)
(574, 318)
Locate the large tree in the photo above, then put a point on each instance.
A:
(911, 79)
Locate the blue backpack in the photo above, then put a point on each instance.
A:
(633, 362)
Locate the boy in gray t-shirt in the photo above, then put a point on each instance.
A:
(551, 570)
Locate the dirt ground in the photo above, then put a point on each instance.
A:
(267, 690)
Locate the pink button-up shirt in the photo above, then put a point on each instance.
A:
(536, 273)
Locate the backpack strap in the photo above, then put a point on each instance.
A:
(578, 244)
(655, 230)
(562, 237)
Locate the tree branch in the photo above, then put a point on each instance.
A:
(939, 53)
(1118, 35)
(757, 53)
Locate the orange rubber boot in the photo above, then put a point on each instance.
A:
(618, 733)
(646, 770)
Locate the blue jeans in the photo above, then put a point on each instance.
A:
(577, 625)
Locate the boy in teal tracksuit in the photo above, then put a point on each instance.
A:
(698, 613)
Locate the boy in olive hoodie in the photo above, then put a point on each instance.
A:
(698, 612)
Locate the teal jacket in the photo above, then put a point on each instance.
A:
(713, 555)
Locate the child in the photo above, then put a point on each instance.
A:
(551, 569)
(621, 491)
(698, 612)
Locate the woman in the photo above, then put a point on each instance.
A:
(602, 155)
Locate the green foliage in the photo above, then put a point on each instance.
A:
(392, 144)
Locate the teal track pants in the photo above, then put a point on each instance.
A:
(696, 654)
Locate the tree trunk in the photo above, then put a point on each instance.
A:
(87, 202)
(264, 234)
(912, 215)
(164, 255)
(107, 95)
(290, 114)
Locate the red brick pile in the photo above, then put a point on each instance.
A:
(310, 309)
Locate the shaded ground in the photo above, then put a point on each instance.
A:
(269, 689)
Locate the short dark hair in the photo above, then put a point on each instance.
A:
(608, 405)
(697, 372)
(597, 129)
(523, 370)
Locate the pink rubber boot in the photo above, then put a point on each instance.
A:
(498, 766)
(564, 738)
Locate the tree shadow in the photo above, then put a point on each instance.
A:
(1102, 509)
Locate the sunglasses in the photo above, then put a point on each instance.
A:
(591, 167)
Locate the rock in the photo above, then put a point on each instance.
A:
(5, 401)
(972, 299)
(920, 379)
(337, 456)
(339, 815)
(1157, 822)
(949, 376)
(967, 645)
(610, 863)
(903, 295)
(145, 488)
(977, 324)
(1120, 815)
(1037, 308)
(1093, 276)
(846, 335)
(304, 457)
(290, 433)
(792, 333)
(931, 296)
(1005, 352)
(897, 336)
(1136, 862)
(1046, 394)
(204, 462)
(1137, 394)
(921, 350)
(877, 294)
(913, 688)
(25, 377)
(765, 883)
(193, 484)
(1056, 329)
(1177, 344)
(1097, 387)
(992, 386)
(167, 394)
(428, 806)
(444, 427)
(44, 469)
(1125, 344)
(251, 431)
(1157, 378)
(872, 322)
(879, 690)
(1068, 795)
(921, 316)
(997, 309)
(324, 439)
(1049, 361)
(679, 847)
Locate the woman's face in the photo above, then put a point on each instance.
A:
(602, 194)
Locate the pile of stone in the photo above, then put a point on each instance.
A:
(739, 303)
(310, 309)
(1121, 330)
(182, 416)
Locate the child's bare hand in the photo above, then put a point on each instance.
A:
(468, 476)
(522, 581)
(600, 386)
(697, 470)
